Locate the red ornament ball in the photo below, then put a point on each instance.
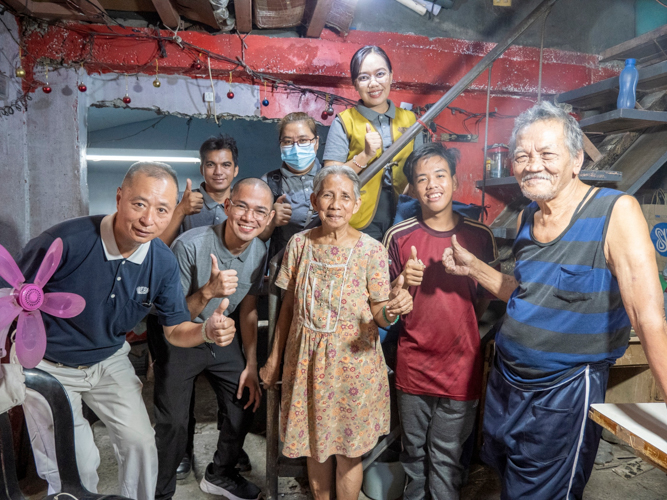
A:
(196, 66)
(82, 87)
(230, 95)
(46, 89)
(325, 115)
(127, 99)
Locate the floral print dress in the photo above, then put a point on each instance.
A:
(335, 393)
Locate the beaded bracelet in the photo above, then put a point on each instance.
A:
(384, 315)
(354, 160)
(203, 333)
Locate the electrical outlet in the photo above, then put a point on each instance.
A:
(502, 3)
(459, 137)
(208, 97)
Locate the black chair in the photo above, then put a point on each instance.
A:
(63, 424)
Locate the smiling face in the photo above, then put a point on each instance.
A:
(219, 170)
(374, 81)
(144, 208)
(248, 210)
(434, 184)
(543, 165)
(336, 202)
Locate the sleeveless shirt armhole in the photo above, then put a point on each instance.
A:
(608, 217)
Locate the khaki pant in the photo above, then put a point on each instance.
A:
(113, 391)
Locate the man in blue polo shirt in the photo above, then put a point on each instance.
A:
(115, 266)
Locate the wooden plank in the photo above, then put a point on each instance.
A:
(319, 17)
(591, 150)
(129, 5)
(51, 10)
(648, 48)
(168, 13)
(243, 13)
(641, 160)
(622, 120)
(646, 450)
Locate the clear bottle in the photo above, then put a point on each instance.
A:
(627, 86)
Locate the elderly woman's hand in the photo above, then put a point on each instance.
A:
(400, 300)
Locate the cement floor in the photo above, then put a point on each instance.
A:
(483, 483)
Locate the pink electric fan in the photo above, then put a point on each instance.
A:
(25, 301)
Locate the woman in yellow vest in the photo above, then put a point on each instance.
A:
(358, 136)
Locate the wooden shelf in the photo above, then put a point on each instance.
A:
(623, 120)
(647, 48)
(584, 175)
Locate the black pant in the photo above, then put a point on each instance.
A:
(175, 370)
(384, 214)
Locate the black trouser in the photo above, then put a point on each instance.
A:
(175, 370)
(384, 214)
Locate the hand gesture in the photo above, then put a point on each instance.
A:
(219, 327)
(400, 300)
(192, 201)
(221, 283)
(413, 272)
(373, 142)
(269, 374)
(283, 211)
(457, 260)
(249, 379)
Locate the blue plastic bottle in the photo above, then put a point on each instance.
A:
(627, 86)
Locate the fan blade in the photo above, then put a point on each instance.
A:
(63, 304)
(50, 263)
(9, 271)
(30, 339)
(9, 309)
(5, 291)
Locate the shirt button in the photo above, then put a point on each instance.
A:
(118, 279)
(123, 262)
(113, 295)
(217, 218)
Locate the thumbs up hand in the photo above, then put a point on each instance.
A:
(413, 272)
(373, 142)
(457, 260)
(400, 301)
(192, 201)
(221, 283)
(283, 211)
(219, 327)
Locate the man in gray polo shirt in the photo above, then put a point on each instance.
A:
(216, 262)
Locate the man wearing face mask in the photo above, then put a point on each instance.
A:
(292, 183)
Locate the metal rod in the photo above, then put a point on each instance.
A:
(368, 173)
(486, 138)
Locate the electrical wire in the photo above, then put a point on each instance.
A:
(661, 3)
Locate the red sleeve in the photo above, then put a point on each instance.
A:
(395, 264)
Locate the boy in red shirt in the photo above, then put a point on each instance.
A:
(439, 363)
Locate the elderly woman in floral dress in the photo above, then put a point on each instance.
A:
(335, 394)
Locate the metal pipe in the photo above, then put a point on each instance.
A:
(486, 139)
(369, 172)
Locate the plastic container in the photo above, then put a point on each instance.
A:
(496, 161)
(627, 86)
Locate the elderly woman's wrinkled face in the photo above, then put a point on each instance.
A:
(336, 202)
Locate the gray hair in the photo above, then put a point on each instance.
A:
(337, 170)
(574, 137)
(155, 169)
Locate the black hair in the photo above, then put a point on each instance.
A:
(296, 117)
(361, 54)
(218, 142)
(428, 150)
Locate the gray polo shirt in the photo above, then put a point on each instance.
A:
(193, 251)
(212, 212)
(338, 144)
(298, 189)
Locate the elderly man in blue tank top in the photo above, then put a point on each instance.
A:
(585, 274)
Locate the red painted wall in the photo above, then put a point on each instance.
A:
(423, 70)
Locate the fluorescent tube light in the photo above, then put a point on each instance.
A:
(100, 154)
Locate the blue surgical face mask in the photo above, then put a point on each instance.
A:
(299, 158)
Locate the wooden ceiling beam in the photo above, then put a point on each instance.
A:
(243, 12)
(50, 10)
(168, 13)
(320, 11)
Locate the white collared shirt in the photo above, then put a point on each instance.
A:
(111, 248)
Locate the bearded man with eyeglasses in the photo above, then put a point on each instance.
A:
(225, 261)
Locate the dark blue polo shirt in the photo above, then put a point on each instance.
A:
(118, 291)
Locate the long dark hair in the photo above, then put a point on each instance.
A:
(360, 55)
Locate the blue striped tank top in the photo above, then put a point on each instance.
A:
(567, 310)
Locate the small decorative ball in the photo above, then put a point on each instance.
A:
(156, 83)
(325, 115)
(126, 99)
(230, 95)
(196, 66)
(46, 89)
(330, 111)
(265, 102)
(82, 87)
(20, 72)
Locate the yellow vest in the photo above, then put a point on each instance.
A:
(354, 124)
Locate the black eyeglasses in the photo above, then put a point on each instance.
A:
(288, 141)
(240, 209)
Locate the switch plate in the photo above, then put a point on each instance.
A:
(502, 3)
(208, 96)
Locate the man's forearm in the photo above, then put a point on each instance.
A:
(187, 334)
(499, 284)
(248, 323)
(652, 332)
(198, 301)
